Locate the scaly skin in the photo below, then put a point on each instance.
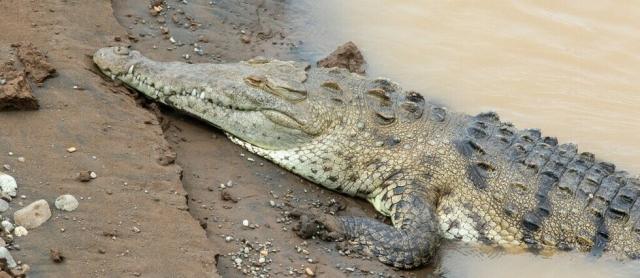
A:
(436, 174)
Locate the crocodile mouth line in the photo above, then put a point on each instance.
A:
(151, 89)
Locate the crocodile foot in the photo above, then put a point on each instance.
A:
(326, 227)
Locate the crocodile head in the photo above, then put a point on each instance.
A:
(261, 102)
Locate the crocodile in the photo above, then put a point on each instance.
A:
(436, 174)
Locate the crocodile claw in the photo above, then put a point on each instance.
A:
(326, 227)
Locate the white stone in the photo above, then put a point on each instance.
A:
(93, 175)
(33, 215)
(8, 184)
(7, 226)
(4, 205)
(245, 223)
(66, 202)
(4, 254)
(20, 231)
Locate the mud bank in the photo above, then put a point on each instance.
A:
(148, 213)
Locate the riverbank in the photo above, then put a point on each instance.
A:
(170, 193)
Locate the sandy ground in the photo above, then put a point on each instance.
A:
(142, 215)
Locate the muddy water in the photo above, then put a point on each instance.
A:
(571, 69)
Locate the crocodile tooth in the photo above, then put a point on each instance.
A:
(113, 77)
(202, 95)
(194, 92)
(130, 69)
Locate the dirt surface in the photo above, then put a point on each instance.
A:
(114, 138)
(172, 196)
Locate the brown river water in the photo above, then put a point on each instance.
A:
(570, 68)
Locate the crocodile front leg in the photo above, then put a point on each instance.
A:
(410, 242)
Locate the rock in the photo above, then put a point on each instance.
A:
(309, 272)
(20, 231)
(346, 56)
(8, 184)
(84, 176)
(4, 254)
(203, 39)
(15, 93)
(245, 39)
(7, 226)
(56, 255)
(20, 271)
(165, 155)
(66, 202)
(33, 215)
(72, 149)
(226, 196)
(35, 62)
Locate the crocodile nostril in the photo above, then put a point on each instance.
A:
(121, 50)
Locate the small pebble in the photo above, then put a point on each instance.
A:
(56, 255)
(71, 149)
(20, 231)
(8, 184)
(245, 223)
(309, 272)
(4, 254)
(84, 176)
(21, 159)
(66, 202)
(7, 226)
(4, 205)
